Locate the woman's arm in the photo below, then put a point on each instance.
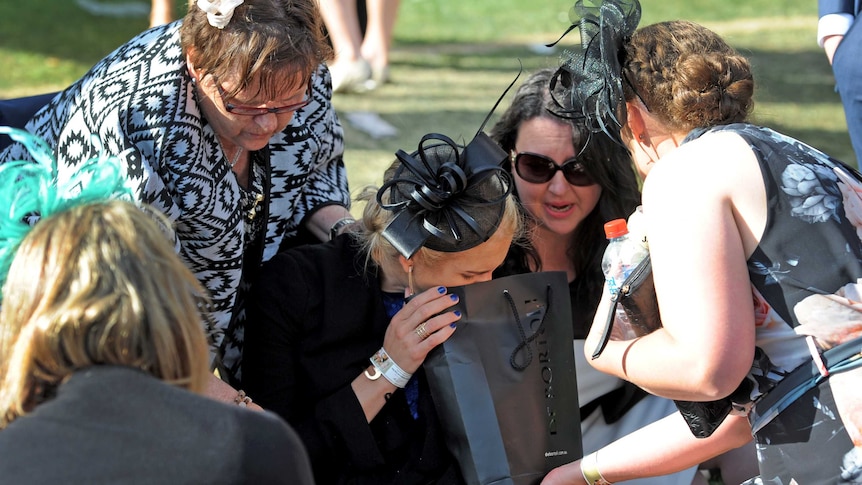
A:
(705, 209)
(405, 347)
(327, 197)
(663, 447)
(333, 421)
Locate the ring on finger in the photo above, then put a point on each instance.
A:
(422, 332)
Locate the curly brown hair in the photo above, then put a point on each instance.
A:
(687, 76)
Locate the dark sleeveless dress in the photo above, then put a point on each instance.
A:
(803, 276)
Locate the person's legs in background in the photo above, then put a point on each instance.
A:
(161, 12)
(848, 77)
(378, 37)
(361, 51)
(350, 72)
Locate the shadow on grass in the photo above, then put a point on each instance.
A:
(60, 29)
(439, 87)
(451, 88)
(793, 77)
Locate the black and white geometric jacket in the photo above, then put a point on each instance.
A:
(140, 102)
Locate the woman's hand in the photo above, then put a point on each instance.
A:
(222, 391)
(420, 326)
(416, 329)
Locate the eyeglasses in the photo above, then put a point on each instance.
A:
(538, 169)
(238, 109)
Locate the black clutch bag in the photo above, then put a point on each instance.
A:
(638, 301)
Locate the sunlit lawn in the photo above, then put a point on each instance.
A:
(453, 58)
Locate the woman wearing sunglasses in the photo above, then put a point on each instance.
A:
(569, 182)
(225, 124)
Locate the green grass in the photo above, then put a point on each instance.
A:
(453, 58)
(449, 85)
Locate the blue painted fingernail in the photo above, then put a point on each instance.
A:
(453, 325)
(457, 313)
(454, 297)
(441, 289)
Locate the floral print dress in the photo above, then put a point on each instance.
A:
(806, 278)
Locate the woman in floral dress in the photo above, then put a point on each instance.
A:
(756, 255)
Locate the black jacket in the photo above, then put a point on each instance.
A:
(316, 316)
(110, 425)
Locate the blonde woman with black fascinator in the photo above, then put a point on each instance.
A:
(342, 329)
(756, 253)
(102, 354)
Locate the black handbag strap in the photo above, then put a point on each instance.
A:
(644, 267)
(840, 358)
(524, 342)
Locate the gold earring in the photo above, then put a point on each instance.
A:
(410, 279)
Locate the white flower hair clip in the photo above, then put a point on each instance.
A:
(219, 12)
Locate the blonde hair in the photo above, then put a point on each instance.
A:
(97, 284)
(375, 219)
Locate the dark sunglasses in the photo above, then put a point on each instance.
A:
(238, 109)
(538, 169)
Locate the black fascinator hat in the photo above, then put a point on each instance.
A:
(446, 197)
(592, 71)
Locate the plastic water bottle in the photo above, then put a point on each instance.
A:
(621, 256)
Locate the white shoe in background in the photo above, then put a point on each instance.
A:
(351, 77)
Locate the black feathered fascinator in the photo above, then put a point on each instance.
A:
(446, 197)
(592, 71)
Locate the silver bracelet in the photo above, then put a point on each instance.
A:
(390, 370)
(333, 231)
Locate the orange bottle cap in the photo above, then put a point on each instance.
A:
(616, 228)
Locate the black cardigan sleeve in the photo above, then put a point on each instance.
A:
(307, 337)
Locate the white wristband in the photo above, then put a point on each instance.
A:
(390, 370)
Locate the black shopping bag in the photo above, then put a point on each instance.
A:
(504, 384)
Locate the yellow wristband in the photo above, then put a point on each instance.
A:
(590, 470)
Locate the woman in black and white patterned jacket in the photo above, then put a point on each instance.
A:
(225, 122)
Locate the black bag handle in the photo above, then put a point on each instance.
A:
(524, 340)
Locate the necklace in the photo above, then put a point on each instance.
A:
(235, 157)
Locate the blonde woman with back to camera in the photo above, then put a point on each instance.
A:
(102, 354)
